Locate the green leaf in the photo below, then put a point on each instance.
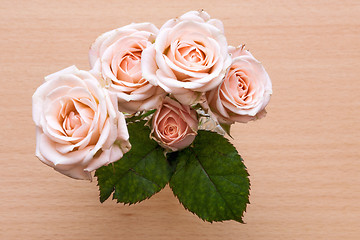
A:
(172, 160)
(140, 173)
(211, 180)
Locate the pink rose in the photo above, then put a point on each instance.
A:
(116, 56)
(78, 127)
(189, 56)
(245, 91)
(174, 126)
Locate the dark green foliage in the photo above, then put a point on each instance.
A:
(209, 177)
(139, 174)
(211, 180)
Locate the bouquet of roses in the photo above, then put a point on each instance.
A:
(153, 110)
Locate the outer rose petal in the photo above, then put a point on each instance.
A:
(188, 97)
(79, 96)
(222, 101)
(174, 126)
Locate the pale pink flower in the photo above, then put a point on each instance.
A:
(116, 56)
(245, 91)
(189, 56)
(78, 126)
(174, 126)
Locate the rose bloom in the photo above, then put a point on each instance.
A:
(174, 126)
(116, 56)
(189, 56)
(78, 127)
(245, 92)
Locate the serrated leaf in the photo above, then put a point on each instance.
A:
(139, 174)
(211, 180)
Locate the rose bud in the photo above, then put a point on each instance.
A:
(78, 126)
(174, 126)
(245, 91)
(116, 56)
(189, 56)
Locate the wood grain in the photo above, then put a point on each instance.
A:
(303, 157)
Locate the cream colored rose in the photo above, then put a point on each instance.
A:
(245, 92)
(78, 126)
(174, 126)
(189, 56)
(116, 56)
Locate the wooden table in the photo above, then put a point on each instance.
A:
(304, 157)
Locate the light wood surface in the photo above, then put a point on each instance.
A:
(304, 157)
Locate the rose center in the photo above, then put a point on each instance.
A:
(171, 130)
(128, 64)
(72, 121)
(75, 118)
(170, 127)
(194, 56)
(130, 60)
(243, 85)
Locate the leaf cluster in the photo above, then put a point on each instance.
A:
(209, 177)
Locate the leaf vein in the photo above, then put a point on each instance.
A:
(142, 176)
(216, 189)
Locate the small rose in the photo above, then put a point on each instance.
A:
(78, 126)
(245, 92)
(116, 56)
(174, 126)
(189, 56)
